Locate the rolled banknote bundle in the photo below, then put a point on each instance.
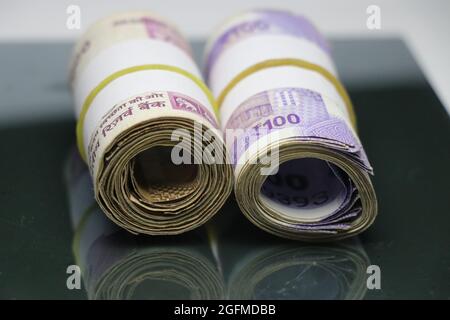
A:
(300, 169)
(138, 96)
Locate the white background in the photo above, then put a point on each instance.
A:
(423, 24)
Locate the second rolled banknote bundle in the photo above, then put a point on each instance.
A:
(137, 93)
(289, 125)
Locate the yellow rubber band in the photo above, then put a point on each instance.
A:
(295, 63)
(88, 101)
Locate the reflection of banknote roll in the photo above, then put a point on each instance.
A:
(137, 93)
(292, 272)
(160, 273)
(300, 169)
(117, 265)
(257, 265)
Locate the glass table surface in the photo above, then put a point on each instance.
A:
(403, 126)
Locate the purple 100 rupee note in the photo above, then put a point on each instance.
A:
(300, 109)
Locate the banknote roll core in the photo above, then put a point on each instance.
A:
(305, 189)
(154, 176)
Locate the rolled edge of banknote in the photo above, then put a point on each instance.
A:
(162, 197)
(137, 93)
(272, 206)
(280, 97)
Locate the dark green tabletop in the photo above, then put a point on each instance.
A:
(406, 134)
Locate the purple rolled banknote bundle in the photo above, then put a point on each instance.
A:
(300, 169)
